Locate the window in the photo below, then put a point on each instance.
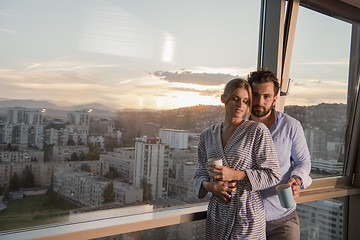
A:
(318, 88)
(96, 77)
(326, 219)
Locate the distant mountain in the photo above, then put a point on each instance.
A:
(28, 103)
(93, 106)
(53, 109)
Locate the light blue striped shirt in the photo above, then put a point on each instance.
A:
(291, 147)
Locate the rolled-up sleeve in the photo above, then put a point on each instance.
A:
(301, 157)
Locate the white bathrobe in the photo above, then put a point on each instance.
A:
(250, 149)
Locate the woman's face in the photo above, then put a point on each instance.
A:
(238, 103)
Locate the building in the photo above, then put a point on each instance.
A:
(181, 182)
(97, 140)
(24, 127)
(24, 115)
(86, 189)
(64, 153)
(321, 219)
(176, 139)
(316, 141)
(36, 136)
(6, 133)
(52, 136)
(14, 157)
(79, 117)
(182, 166)
(151, 165)
(335, 150)
(329, 166)
(123, 161)
(20, 134)
(43, 171)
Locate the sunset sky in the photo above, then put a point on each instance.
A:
(156, 54)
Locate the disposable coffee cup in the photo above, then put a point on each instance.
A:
(216, 162)
(285, 194)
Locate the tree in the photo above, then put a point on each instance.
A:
(95, 154)
(110, 144)
(112, 173)
(54, 200)
(108, 193)
(70, 142)
(48, 152)
(85, 167)
(82, 156)
(74, 157)
(27, 178)
(146, 190)
(80, 142)
(14, 182)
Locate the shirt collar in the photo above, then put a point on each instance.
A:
(276, 122)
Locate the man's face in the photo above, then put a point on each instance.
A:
(263, 98)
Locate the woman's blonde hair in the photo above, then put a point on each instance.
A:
(234, 84)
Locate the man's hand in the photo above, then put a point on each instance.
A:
(223, 173)
(295, 183)
(221, 189)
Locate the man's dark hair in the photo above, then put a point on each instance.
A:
(263, 75)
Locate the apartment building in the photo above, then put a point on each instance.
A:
(176, 139)
(87, 189)
(123, 161)
(151, 165)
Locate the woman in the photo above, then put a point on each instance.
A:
(250, 164)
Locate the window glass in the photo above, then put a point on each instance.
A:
(323, 219)
(318, 88)
(191, 231)
(89, 87)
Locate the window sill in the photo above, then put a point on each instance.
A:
(327, 193)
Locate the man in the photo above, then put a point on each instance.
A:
(292, 151)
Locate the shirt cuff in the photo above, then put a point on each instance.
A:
(295, 176)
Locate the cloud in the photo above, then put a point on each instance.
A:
(65, 66)
(36, 65)
(307, 82)
(346, 62)
(210, 79)
(5, 30)
(315, 91)
(124, 82)
(3, 70)
(207, 92)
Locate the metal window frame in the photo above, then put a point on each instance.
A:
(275, 53)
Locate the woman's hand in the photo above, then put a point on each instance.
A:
(221, 189)
(223, 173)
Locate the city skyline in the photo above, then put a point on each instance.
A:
(138, 55)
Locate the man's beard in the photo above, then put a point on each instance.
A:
(261, 113)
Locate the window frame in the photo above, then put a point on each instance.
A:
(346, 185)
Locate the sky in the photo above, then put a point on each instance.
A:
(157, 54)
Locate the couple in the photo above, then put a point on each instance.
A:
(256, 155)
